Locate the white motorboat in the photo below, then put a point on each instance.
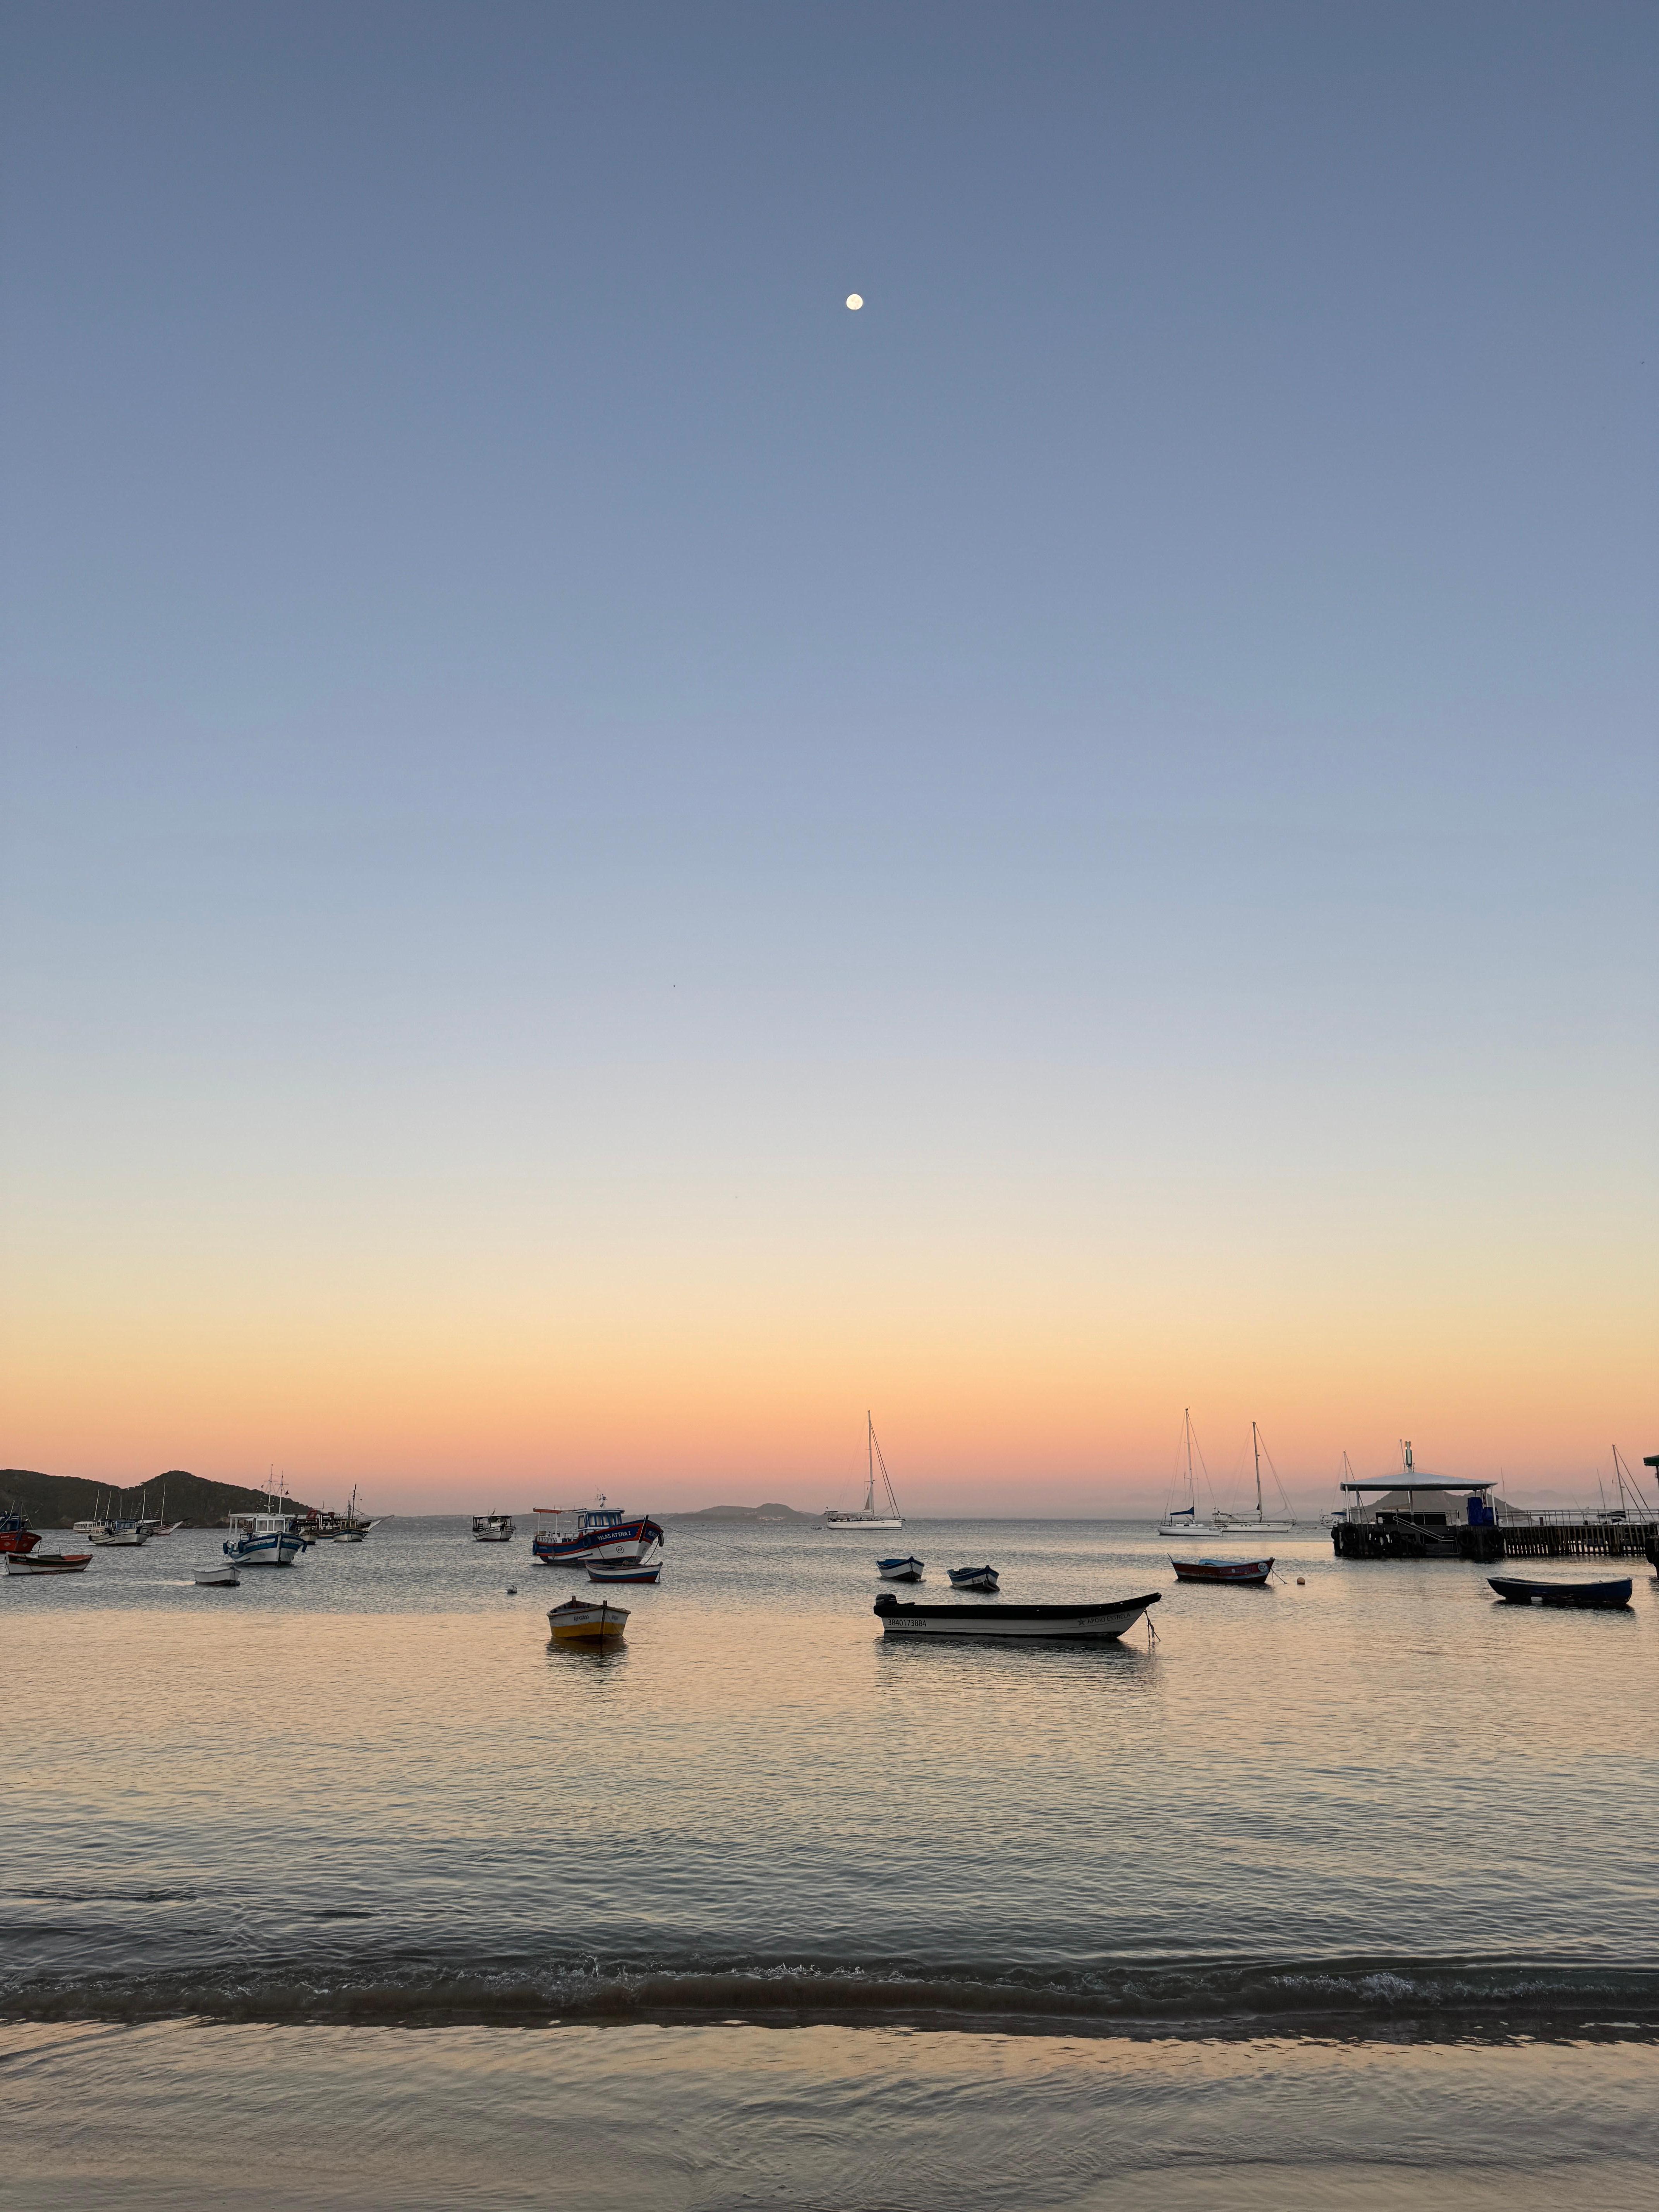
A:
(263, 1540)
(222, 1577)
(868, 1516)
(1068, 1624)
(128, 1534)
(48, 1563)
(904, 1569)
(492, 1528)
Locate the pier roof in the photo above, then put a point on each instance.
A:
(1417, 1482)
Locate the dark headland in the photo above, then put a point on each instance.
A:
(59, 1501)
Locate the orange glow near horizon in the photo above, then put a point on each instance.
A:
(1015, 1380)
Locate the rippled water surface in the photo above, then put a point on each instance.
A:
(364, 1795)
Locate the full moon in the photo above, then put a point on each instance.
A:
(855, 300)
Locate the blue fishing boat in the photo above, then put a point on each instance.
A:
(571, 1536)
(979, 1578)
(900, 1570)
(263, 1540)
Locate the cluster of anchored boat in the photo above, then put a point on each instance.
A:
(274, 1539)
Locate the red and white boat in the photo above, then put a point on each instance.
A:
(571, 1537)
(1253, 1572)
(15, 1534)
(46, 1562)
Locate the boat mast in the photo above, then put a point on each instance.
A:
(870, 1457)
(1255, 1446)
(1191, 1495)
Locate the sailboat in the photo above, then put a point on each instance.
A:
(869, 1518)
(1257, 1520)
(1183, 1519)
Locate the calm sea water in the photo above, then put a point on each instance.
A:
(1350, 1878)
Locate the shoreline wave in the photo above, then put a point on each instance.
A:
(1427, 2000)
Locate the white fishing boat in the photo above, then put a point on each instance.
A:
(492, 1528)
(263, 1540)
(126, 1534)
(869, 1516)
(900, 1570)
(48, 1563)
(220, 1577)
(1048, 1624)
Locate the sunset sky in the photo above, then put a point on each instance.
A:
(606, 863)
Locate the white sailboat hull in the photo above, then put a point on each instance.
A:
(862, 1521)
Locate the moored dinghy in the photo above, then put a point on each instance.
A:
(1069, 1624)
(623, 1571)
(1606, 1595)
(900, 1570)
(221, 1577)
(1251, 1573)
(579, 1621)
(48, 1563)
(979, 1578)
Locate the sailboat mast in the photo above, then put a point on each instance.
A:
(1255, 1446)
(1192, 1498)
(870, 1457)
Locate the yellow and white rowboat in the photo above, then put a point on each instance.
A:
(576, 1622)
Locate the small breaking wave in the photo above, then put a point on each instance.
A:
(1416, 2000)
(105, 1896)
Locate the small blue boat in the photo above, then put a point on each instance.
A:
(905, 1570)
(980, 1578)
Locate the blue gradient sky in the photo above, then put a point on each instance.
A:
(607, 862)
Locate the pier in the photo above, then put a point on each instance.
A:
(1412, 1517)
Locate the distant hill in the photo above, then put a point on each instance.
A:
(744, 1513)
(59, 1501)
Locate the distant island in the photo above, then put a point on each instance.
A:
(744, 1513)
(59, 1501)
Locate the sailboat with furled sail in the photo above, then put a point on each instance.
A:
(1183, 1519)
(1251, 1523)
(870, 1516)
